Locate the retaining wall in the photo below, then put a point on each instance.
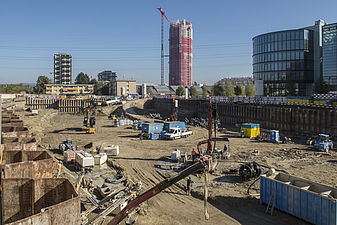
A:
(27, 164)
(40, 201)
(296, 120)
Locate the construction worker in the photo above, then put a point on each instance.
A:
(188, 185)
(59, 167)
(194, 154)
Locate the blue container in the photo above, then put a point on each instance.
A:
(274, 136)
(313, 202)
(152, 127)
(154, 136)
(169, 125)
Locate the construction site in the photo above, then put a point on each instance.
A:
(166, 161)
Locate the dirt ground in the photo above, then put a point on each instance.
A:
(228, 199)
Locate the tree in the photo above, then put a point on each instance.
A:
(193, 92)
(180, 91)
(238, 90)
(218, 90)
(204, 91)
(82, 78)
(321, 87)
(290, 88)
(95, 83)
(41, 82)
(250, 90)
(229, 89)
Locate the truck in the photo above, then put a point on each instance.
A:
(176, 132)
(323, 143)
(172, 124)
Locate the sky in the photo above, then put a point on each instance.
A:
(124, 36)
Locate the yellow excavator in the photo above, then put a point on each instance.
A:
(89, 121)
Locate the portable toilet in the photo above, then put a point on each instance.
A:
(274, 136)
(250, 129)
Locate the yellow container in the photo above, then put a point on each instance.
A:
(250, 130)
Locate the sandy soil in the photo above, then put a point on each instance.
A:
(228, 201)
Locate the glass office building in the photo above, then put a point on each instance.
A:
(281, 57)
(288, 60)
(330, 55)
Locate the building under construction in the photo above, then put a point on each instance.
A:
(181, 53)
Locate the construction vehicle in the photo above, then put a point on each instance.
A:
(89, 120)
(323, 143)
(67, 145)
(176, 132)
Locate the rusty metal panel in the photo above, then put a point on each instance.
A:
(68, 212)
(25, 144)
(19, 132)
(11, 123)
(16, 197)
(40, 201)
(41, 218)
(27, 164)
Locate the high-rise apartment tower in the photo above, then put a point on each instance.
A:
(181, 54)
(62, 68)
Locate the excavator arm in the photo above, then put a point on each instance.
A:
(200, 165)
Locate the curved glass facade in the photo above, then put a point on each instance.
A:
(281, 57)
(330, 55)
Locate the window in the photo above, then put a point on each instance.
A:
(292, 35)
(288, 36)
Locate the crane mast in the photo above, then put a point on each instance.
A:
(162, 80)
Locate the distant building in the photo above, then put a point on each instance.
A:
(69, 89)
(122, 87)
(107, 76)
(62, 68)
(181, 54)
(236, 80)
(329, 52)
(290, 58)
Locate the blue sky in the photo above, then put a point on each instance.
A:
(124, 36)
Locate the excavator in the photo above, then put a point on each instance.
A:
(89, 120)
(204, 164)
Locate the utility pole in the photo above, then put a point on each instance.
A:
(162, 80)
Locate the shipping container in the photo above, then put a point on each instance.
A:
(250, 129)
(310, 201)
(169, 125)
(152, 127)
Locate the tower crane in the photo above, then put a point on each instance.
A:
(162, 81)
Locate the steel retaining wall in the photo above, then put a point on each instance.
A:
(27, 164)
(313, 202)
(295, 120)
(44, 201)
